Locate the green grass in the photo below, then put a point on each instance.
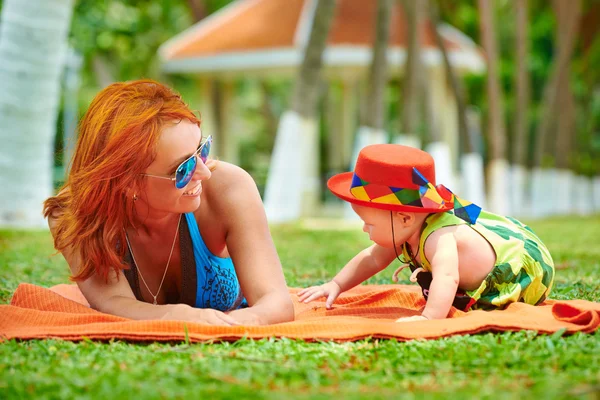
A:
(508, 365)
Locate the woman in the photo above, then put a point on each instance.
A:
(142, 200)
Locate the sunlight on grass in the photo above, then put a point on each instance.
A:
(507, 365)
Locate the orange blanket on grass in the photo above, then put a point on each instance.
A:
(366, 311)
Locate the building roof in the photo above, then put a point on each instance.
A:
(268, 36)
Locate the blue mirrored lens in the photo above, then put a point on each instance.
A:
(205, 151)
(185, 172)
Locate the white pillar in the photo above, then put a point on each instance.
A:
(473, 179)
(442, 157)
(583, 193)
(519, 199)
(596, 193)
(563, 191)
(291, 185)
(499, 188)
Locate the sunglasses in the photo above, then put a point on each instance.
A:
(185, 170)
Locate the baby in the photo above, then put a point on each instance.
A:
(460, 255)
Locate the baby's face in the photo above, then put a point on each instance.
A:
(378, 224)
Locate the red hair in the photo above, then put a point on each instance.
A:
(117, 142)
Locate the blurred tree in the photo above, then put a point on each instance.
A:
(378, 75)
(566, 35)
(454, 80)
(413, 77)
(496, 128)
(520, 142)
(33, 44)
(297, 136)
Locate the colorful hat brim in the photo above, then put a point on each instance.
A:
(340, 186)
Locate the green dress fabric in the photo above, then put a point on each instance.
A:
(524, 270)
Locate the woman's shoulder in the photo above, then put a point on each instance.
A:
(226, 173)
(228, 187)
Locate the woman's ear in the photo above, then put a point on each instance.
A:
(405, 218)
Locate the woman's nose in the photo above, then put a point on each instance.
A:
(202, 171)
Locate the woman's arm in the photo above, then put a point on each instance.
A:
(116, 297)
(251, 248)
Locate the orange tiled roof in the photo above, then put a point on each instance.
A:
(251, 25)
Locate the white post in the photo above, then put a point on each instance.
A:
(442, 157)
(473, 180)
(563, 190)
(499, 188)
(519, 201)
(596, 193)
(288, 183)
(537, 208)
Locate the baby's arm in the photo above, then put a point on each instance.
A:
(442, 250)
(362, 266)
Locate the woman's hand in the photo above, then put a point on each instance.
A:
(331, 290)
(183, 312)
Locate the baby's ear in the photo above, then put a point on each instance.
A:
(406, 218)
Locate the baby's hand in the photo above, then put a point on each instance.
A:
(331, 290)
(413, 318)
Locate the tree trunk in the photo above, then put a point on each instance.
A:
(33, 44)
(378, 75)
(520, 140)
(306, 91)
(549, 106)
(293, 183)
(454, 83)
(496, 127)
(198, 9)
(564, 103)
(411, 93)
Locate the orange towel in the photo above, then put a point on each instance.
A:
(366, 311)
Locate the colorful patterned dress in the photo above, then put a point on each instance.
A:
(524, 269)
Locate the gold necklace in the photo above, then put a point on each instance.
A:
(166, 268)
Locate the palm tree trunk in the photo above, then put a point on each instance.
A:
(306, 91)
(496, 129)
(293, 183)
(498, 169)
(33, 44)
(549, 105)
(455, 84)
(520, 142)
(412, 78)
(378, 74)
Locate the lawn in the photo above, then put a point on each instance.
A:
(508, 365)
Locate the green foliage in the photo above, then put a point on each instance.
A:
(507, 365)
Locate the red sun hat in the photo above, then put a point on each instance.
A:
(396, 178)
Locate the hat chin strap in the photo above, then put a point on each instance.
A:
(413, 276)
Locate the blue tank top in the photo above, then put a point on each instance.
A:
(208, 281)
(217, 283)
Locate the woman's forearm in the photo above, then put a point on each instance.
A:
(272, 308)
(134, 309)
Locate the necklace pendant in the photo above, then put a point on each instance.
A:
(155, 303)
